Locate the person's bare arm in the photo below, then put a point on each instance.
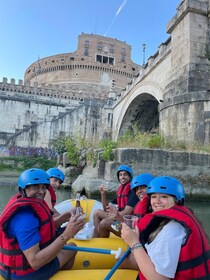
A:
(37, 258)
(143, 260)
(127, 211)
(61, 218)
(146, 266)
(102, 190)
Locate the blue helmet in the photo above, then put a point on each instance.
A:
(167, 185)
(33, 176)
(125, 168)
(57, 173)
(141, 179)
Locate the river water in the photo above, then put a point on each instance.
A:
(201, 209)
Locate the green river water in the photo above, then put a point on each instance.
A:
(201, 209)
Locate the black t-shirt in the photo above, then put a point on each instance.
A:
(132, 199)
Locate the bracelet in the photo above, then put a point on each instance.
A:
(63, 242)
(135, 246)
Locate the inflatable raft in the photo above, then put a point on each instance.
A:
(99, 274)
(92, 265)
(88, 205)
(86, 260)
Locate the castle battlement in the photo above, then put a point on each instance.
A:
(56, 91)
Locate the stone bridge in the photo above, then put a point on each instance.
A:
(172, 91)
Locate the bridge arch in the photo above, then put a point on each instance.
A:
(140, 107)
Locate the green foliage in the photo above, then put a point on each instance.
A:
(72, 150)
(131, 138)
(92, 156)
(38, 162)
(108, 146)
(155, 141)
(125, 138)
(80, 141)
(73, 145)
(59, 145)
(21, 163)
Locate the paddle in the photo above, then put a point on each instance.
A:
(94, 250)
(118, 263)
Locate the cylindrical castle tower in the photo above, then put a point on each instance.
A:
(98, 64)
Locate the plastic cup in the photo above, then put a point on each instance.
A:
(112, 209)
(130, 220)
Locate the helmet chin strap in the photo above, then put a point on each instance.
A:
(23, 192)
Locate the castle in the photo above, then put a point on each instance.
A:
(62, 94)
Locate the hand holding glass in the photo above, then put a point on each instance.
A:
(112, 209)
(130, 220)
(103, 189)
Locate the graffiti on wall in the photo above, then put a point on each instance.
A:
(4, 152)
(28, 151)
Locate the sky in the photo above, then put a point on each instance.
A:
(34, 29)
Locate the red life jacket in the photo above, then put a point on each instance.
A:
(12, 258)
(122, 196)
(194, 259)
(141, 207)
(53, 195)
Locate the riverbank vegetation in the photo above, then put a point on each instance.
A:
(130, 139)
(74, 146)
(20, 163)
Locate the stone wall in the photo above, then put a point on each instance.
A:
(36, 120)
(192, 169)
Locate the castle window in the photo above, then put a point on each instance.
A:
(99, 46)
(71, 58)
(105, 59)
(111, 49)
(99, 58)
(86, 52)
(123, 53)
(123, 59)
(87, 44)
(111, 60)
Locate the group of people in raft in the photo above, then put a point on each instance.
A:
(168, 241)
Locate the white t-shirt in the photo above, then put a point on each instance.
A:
(164, 250)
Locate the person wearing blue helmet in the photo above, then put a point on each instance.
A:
(125, 200)
(29, 248)
(57, 177)
(139, 184)
(172, 243)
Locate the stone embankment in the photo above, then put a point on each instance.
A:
(192, 169)
(9, 178)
